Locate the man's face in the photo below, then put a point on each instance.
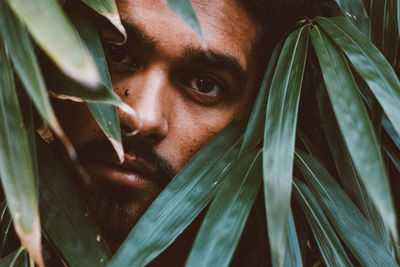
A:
(184, 92)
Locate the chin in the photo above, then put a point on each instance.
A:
(117, 208)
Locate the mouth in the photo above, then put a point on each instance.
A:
(135, 172)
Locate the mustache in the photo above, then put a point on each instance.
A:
(101, 149)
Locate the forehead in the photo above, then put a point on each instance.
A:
(226, 27)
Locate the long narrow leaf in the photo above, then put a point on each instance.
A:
(180, 202)
(254, 131)
(384, 27)
(51, 29)
(105, 115)
(25, 62)
(356, 12)
(14, 259)
(347, 220)
(16, 167)
(292, 252)
(279, 138)
(346, 170)
(108, 9)
(64, 217)
(329, 244)
(370, 64)
(184, 9)
(355, 125)
(222, 227)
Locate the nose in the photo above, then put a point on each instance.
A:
(145, 93)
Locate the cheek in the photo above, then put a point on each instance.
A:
(190, 134)
(76, 121)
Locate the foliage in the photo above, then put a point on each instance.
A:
(345, 175)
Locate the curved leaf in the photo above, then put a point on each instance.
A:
(345, 217)
(51, 29)
(370, 64)
(292, 252)
(329, 244)
(180, 202)
(108, 9)
(223, 225)
(64, 217)
(279, 139)
(254, 131)
(184, 9)
(25, 62)
(106, 115)
(356, 12)
(355, 125)
(17, 171)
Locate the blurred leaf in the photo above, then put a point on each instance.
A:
(64, 217)
(355, 125)
(279, 139)
(223, 225)
(292, 252)
(180, 202)
(5, 224)
(356, 12)
(345, 217)
(17, 171)
(254, 131)
(384, 31)
(105, 115)
(329, 244)
(346, 170)
(184, 9)
(369, 63)
(25, 63)
(108, 9)
(14, 259)
(51, 29)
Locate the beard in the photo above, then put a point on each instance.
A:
(117, 207)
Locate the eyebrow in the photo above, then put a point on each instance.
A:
(139, 36)
(194, 55)
(198, 56)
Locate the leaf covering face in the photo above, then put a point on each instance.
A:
(184, 92)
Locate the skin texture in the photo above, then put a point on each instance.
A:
(184, 92)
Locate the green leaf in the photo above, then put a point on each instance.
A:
(51, 29)
(254, 131)
(64, 217)
(105, 115)
(355, 125)
(384, 30)
(223, 225)
(356, 12)
(108, 9)
(370, 64)
(180, 202)
(184, 9)
(292, 252)
(16, 167)
(25, 62)
(279, 139)
(329, 244)
(14, 259)
(345, 217)
(346, 170)
(5, 224)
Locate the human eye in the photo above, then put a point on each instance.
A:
(119, 58)
(204, 89)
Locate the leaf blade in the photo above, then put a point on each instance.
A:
(58, 38)
(355, 125)
(18, 182)
(279, 138)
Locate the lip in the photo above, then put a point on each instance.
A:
(134, 172)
